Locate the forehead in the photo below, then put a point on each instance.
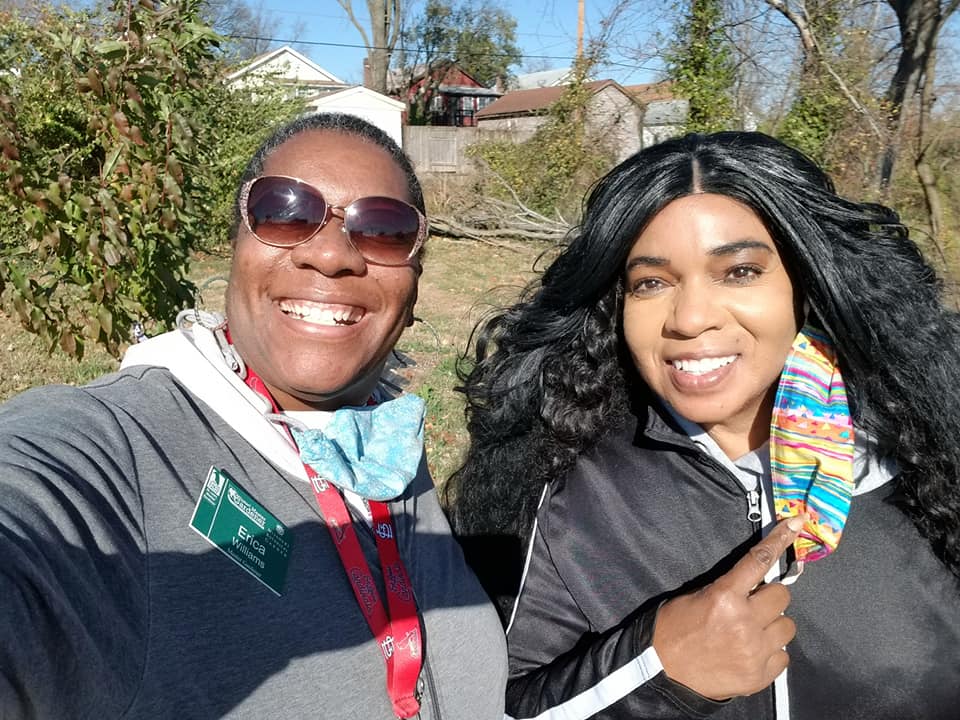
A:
(702, 222)
(340, 164)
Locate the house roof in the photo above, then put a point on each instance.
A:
(399, 79)
(543, 78)
(651, 92)
(537, 100)
(354, 95)
(295, 58)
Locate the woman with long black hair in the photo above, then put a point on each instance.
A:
(725, 343)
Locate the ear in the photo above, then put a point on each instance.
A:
(413, 303)
(416, 293)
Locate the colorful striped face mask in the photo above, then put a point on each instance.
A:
(811, 445)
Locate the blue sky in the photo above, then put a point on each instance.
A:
(546, 34)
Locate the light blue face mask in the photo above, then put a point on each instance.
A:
(373, 451)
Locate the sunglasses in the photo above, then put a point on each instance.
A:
(286, 211)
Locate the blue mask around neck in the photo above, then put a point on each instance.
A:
(373, 451)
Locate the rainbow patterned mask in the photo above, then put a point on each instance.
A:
(811, 445)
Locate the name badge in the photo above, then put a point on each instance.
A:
(231, 520)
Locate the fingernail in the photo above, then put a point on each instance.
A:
(796, 523)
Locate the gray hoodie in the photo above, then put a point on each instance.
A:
(115, 607)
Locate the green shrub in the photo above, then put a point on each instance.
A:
(121, 151)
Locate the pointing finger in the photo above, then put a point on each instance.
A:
(751, 569)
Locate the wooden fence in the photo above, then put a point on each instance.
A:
(442, 150)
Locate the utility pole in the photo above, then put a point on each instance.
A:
(579, 29)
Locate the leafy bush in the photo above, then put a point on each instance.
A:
(121, 150)
(237, 122)
(99, 156)
(700, 62)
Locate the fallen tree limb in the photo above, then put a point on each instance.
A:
(487, 218)
(451, 228)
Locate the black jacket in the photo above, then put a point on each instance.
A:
(646, 515)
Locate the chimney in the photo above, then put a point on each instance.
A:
(366, 73)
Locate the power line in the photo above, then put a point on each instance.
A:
(403, 48)
(398, 48)
(631, 66)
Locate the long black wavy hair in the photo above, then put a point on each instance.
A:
(549, 376)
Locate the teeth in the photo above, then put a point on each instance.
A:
(703, 365)
(322, 314)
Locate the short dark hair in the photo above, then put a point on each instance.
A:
(331, 122)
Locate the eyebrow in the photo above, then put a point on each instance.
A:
(720, 251)
(735, 247)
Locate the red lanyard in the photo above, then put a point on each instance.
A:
(396, 627)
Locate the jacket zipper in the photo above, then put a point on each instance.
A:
(431, 688)
(754, 512)
(754, 516)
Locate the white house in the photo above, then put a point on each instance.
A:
(285, 66)
(322, 91)
(380, 110)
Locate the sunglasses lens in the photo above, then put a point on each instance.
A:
(384, 230)
(285, 212)
(282, 211)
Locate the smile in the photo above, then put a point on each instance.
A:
(322, 313)
(702, 366)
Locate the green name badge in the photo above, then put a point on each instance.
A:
(243, 529)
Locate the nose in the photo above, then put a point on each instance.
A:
(695, 310)
(330, 251)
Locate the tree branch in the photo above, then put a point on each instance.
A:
(810, 45)
(451, 228)
(347, 5)
(393, 10)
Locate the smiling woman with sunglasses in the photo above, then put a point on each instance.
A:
(241, 521)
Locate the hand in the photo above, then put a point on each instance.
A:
(728, 638)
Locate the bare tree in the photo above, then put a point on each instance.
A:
(816, 60)
(761, 78)
(385, 24)
(921, 162)
(248, 26)
(920, 22)
(902, 125)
